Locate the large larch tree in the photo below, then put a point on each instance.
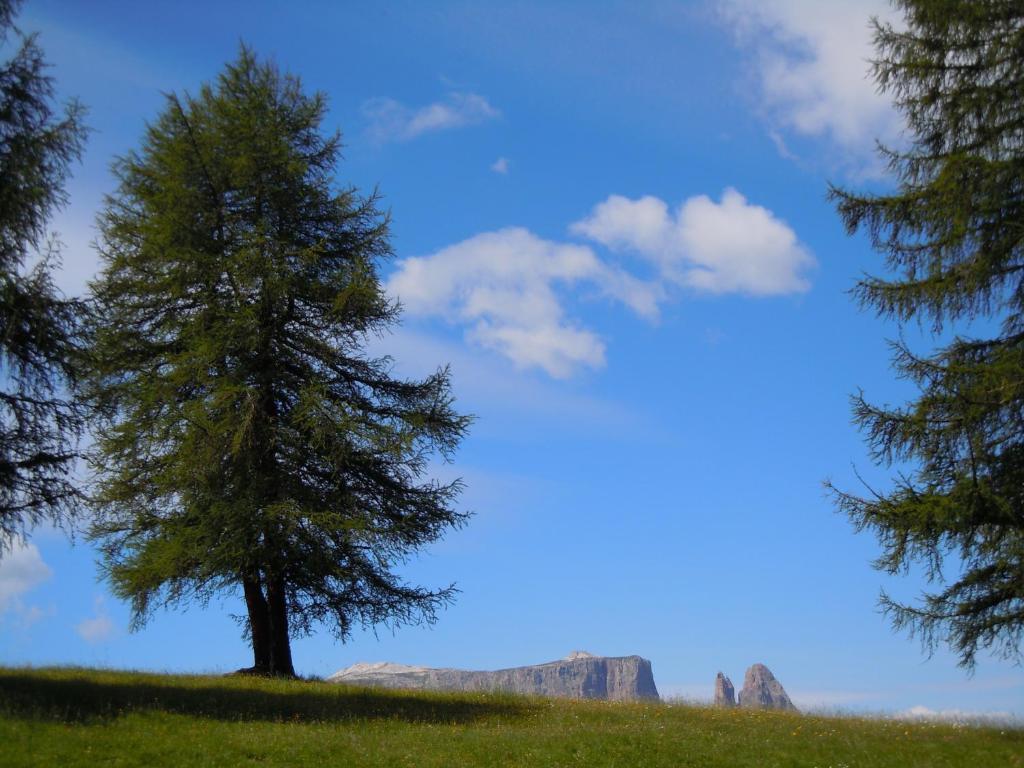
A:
(245, 440)
(953, 236)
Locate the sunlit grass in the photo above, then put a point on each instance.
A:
(72, 717)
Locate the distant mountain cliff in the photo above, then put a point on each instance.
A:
(578, 676)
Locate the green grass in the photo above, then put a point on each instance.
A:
(78, 717)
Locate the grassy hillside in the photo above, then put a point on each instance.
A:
(67, 717)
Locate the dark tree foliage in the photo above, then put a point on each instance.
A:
(38, 424)
(953, 231)
(244, 439)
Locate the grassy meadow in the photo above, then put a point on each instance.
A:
(80, 717)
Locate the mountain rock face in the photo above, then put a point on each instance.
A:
(724, 692)
(578, 676)
(762, 691)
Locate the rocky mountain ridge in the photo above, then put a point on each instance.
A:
(580, 675)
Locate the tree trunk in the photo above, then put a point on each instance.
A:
(280, 643)
(259, 625)
(264, 431)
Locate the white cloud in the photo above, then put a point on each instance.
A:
(501, 165)
(556, 348)
(642, 225)
(21, 570)
(502, 285)
(811, 64)
(98, 628)
(390, 120)
(507, 287)
(730, 246)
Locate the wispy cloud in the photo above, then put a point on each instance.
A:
(487, 384)
(805, 700)
(695, 693)
(501, 165)
(503, 286)
(966, 716)
(390, 120)
(826, 700)
(809, 62)
(22, 569)
(98, 628)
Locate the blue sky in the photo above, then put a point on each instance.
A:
(610, 218)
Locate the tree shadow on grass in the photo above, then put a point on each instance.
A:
(82, 700)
